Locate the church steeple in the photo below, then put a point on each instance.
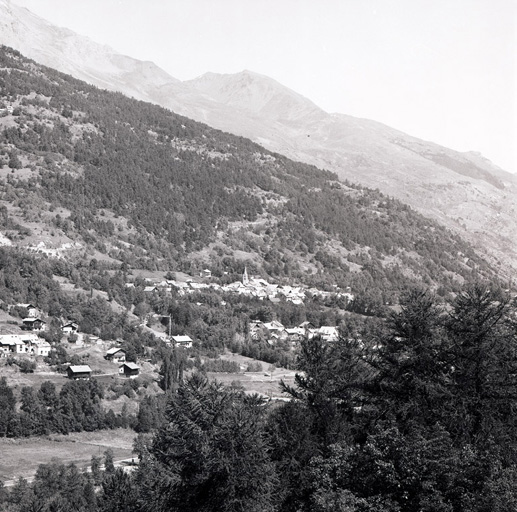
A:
(245, 277)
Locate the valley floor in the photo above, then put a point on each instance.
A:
(21, 457)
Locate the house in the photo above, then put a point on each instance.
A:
(116, 354)
(25, 343)
(260, 293)
(32, 311)
(309, 328)
(182, 287)
(69, 328)
(130, 370)
(150, 289)
(182, 341)
(277, 336)
(18, 344)
(7, 345)
(276, 331)
(257, 330)
(40, 348)
(197, 286)
(274, 325)
(328, 333)
(22, 347)
(205, 273)
(79, 371)
(34, 324)
(295, 334)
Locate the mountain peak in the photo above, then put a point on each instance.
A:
(255, 93)
(463, 190)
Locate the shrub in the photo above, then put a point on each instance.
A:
(26, 365)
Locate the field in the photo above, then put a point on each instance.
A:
(21, 457)
(266, 382)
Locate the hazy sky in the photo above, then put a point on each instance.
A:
(442, 70)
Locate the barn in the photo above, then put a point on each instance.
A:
(129, 370)
(79, 371)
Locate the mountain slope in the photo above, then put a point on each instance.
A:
(463, 191)
(87, 173)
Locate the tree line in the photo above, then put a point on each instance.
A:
(40, 411)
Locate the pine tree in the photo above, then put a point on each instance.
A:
(210, 455)
(412, 363)
(7, 408)
(171, 370)
(483, 331)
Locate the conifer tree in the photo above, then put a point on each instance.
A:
(483, 332)
(210, 455)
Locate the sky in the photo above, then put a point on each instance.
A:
(441, 70)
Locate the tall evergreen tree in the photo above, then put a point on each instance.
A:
(412, 363)
(171, 370)
(7, 408)
(483, 332)
(211, 455)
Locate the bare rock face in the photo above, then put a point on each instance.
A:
(464, 191)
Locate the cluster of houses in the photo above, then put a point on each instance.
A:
(29, 343)
(126, 369)
(115, 355)
(250, 286)
(262, 289)
(24, 343)
(83, 371)
(34, 322)
(274, 332)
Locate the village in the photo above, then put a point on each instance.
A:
(27, 338)
(249, 286)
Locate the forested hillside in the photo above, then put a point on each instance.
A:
(134, 184)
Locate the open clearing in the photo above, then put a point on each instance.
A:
(266, 382)
(21, 457)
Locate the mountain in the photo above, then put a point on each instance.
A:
(93, 176)
(463, 191)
